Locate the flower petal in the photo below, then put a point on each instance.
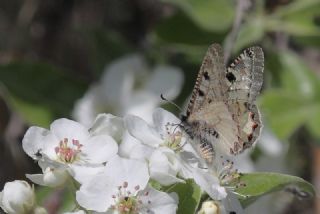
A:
(85, 108)
(166, 80)
(232, 204)
(33, 141)
(162, 169)
(84, 174)
(95, 194)
(210, 184)
(139, 129)
(99, 149)
(134, 172)
(161, 202)
(108, 124)
(161, 119)
(65, 128)
(141, 104)
(130, 147)
(118, 78)
(51, 177)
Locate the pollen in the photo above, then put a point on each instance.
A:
(173, 138)
(68, 151)
(127, 202)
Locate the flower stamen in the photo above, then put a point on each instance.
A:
(68, 152)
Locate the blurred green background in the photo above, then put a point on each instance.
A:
(51, 51)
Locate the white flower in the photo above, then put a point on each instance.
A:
(17, 197)
(67, 146)
(220, 183)
(162, 145)
(127, 86)
(122, 188)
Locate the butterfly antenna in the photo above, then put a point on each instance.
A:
(172, 103)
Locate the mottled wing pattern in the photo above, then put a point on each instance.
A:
(216, 125)
(245, 75)
(244, 78)
(210, 85)
(221, 111)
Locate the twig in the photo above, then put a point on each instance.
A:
(242, 6)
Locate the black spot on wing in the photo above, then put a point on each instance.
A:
(231, 77)
(206, 75)
(201, 93)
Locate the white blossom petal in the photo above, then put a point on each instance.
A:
(162, 169)
(161, 202)
(142, 131)
(118, 78)
(231, 204)
(210, 184)
(166, 80)
(85, 108)
(134, 172)
(95, 195)
(51, 177)
(134, 149)
(161, 118)
(65, 128)
(108, 124)
(99, 149)
(84, 174)
(33, 140)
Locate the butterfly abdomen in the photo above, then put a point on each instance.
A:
(202, 136)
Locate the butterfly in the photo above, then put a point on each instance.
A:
(222, 114)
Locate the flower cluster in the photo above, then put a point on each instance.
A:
(115, 164)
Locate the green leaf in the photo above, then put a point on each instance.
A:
(252, 31)
(296, 101)
(296, 18)
(314, 124)
(189, 196)
(259, 184)
(296, 76)
(33, 114)
(301, 27)
(42, 86)
(185, 31)
(210, 15)
(296, 7)
(286, 111)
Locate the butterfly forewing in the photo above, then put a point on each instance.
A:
(210, 85)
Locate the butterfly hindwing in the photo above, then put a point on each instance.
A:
(245, 75)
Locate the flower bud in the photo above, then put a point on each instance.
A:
(209, 207)
(17, 197)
